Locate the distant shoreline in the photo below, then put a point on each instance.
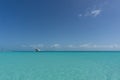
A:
(62, 51)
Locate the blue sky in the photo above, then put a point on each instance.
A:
(60, 24)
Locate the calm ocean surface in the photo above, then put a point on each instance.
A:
(60, 65)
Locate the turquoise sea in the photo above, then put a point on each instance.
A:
(86, 65)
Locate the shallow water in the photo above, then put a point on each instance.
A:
(59, 65)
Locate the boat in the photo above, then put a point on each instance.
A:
(37, 50)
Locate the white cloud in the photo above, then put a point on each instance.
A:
(71, 46)
(55, 46)
(95, 12)
(36, 46)
(94, 46)
(33, 46)
(85, 46)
